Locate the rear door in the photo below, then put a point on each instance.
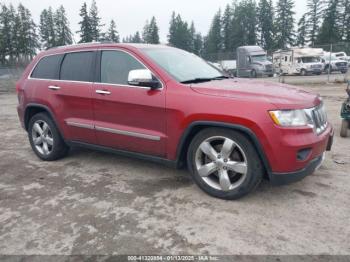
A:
(127, 117)
(73, 96)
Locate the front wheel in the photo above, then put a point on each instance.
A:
(224, 163)
(253, 74)
(303, 72)
(344, 130)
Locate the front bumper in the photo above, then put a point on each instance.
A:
(314, 164)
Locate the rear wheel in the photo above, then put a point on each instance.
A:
(224, 163)
(45, 139)
(344, 130)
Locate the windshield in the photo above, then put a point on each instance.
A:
(310, 59)
(183, 66)
(259, 58)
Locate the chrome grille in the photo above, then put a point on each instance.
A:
(319, 116)
(268, 67)
(340, 64)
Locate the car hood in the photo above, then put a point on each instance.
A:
(281, 95)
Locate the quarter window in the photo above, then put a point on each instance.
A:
(116, 65)
(48, 67)
(77, 67)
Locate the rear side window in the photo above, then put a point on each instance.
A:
(77, 67)
(48, 67)
(116, 65)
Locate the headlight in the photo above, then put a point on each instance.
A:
(290, 118)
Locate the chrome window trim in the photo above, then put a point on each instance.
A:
(94, 50)
(113, 131)
(60, 53)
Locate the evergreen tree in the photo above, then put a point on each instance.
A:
(284, 23)
(112, 33)
(44, 30)
(266, 26)
(198, 44)
(227, 29)
(50, 24)
(179, 34)
(5, 33)
(151, 32)
(95, 22)
(27, 37)
(62, 30)
(244, 24)
(313, 19)
(330, 29)
(214, 43)
(302, 33)
(137, 38)
(345, 20)
(85, 25)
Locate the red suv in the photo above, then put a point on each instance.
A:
(167, 105)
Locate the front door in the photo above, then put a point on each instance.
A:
(127, 117)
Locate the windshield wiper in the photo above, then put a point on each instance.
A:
(203, 79)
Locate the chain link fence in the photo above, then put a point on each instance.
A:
(332, 64)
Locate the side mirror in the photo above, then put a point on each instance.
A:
(143, 77)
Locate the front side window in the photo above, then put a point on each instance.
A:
(77, 67)
(47, 68)
(116, 65)
(182, 65)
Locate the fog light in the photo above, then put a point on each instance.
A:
(303, 154)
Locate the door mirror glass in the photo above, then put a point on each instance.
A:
(143, 77)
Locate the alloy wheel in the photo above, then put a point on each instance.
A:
(221, 163)
(42, 137)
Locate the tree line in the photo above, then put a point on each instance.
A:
(244, 22)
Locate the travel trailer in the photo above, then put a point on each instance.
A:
(301, 61)
(229, 67)
(252, 62)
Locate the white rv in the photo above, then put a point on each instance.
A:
(334, 62)
(301, 61)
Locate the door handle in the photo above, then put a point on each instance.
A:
(54, 87)
(102, 92)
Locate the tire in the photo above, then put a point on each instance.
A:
(221, 181)
(270, 75)
(343, 71)
(42, 130)
(303, 72)
(328, 67)
(344, 130)
(253, 74)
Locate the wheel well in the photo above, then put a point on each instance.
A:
(30, 112)
(182, 153)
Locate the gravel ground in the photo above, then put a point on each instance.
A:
(98, 203)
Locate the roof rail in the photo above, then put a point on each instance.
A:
(80, 44)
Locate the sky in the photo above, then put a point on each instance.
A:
(131, 15)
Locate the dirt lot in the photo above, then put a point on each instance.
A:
(98, 203)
